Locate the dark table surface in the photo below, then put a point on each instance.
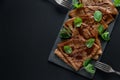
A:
(28, 30)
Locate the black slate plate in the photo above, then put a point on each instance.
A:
(54, 59)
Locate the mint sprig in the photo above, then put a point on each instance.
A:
(116, 3)
(98, 16)
(76, 4)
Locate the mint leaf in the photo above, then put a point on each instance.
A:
(86, 62)
(100, 29)
(77, 22)
(116, 3)
(75, 1)
(105, 36)
(89, 43)
(65, 33)
(67, 49)
(76, 4)
(90, 68)
(98, 16)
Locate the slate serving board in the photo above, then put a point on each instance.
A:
(54, 59)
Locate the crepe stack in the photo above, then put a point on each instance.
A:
(87, 30)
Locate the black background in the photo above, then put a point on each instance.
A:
(28, 29)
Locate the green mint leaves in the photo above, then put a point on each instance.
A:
(105, 36)
(67, 49)
(65, 33)
(88, 66)
(100, 29)
(98, 16)
(76, 4)
(89, 43)
(116, 3)
(77, 22)
(86, 62)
